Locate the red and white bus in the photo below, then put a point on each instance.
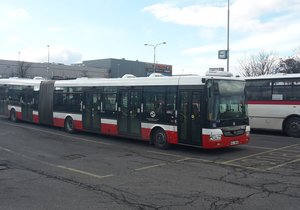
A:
(274, 103)
(208, 112)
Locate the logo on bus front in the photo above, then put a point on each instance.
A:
(152, 114)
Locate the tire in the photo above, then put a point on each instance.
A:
(292, 127)
(69, 125)
(13, 116)
(160, 139)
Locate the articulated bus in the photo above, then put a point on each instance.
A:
(274, 103)
(207, 112)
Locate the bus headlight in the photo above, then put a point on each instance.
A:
(215, 137)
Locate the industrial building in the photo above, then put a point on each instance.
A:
(104, 68)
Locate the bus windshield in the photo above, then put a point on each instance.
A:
(226, 100)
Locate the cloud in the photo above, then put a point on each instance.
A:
(18, 13)
(13, 39)
(56, 29)
(244, 14)
(202, 49)
(57, 54)
(9, 16)
(207, 16)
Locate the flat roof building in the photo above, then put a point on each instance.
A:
(120, 67)
(103, 68)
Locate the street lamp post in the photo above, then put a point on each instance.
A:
(224, 54)
(228, 36)
(154, 52)
(48, 64)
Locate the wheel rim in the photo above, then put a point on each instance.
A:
(160, 138)
(13, 116)
(70, 124)
(294, 126)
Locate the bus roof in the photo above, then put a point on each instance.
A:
(273, 76)
(20, 81)
(137, 81)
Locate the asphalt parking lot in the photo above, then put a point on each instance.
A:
(46, 168)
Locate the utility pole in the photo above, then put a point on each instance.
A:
(228, 36)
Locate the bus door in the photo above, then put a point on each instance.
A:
(129, 112)
(91, 110)
(27, 104)
(3, 100)
(189, 117)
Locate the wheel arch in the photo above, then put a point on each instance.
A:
(68, 116)
(153, 130)
(12, 111)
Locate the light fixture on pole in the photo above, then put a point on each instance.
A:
(154, 52)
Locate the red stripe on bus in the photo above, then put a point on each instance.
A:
(19, 115)
(275, 102)
(146, 133)
(58, 122)
(35, 118)
(172, 136)
(109, 129)
(78, 124)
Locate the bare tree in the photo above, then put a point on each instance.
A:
(289, 65)
(23, 69)
(261, 64)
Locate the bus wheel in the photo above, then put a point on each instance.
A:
(160, 139)
(69, 125)
(292, 127)
(13, 116)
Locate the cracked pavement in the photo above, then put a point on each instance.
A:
(39, 171)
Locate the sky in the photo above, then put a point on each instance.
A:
(72, 31)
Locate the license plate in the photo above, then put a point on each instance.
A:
(234, 142)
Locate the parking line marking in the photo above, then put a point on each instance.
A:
(63, 135)
(58, 166)
(240, 166)
(166, 154)
(84, 172)
(147, 167)
(281, 148)
(180, 156)
(283, 164)
(184, 159)
(256, 147)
